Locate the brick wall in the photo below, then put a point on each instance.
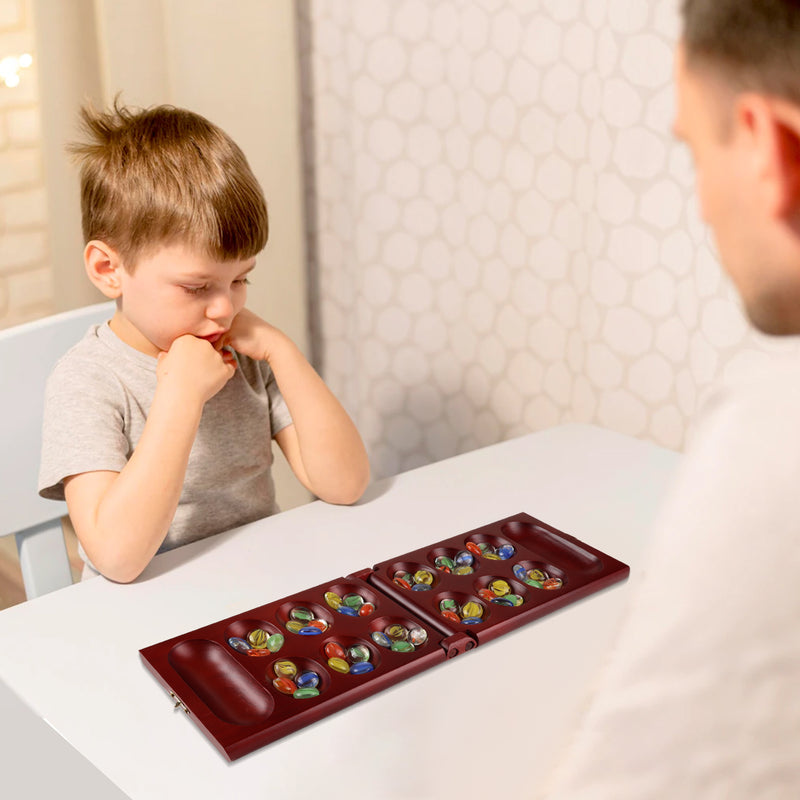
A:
(26, 282)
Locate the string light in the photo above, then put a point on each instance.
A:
(10, 67)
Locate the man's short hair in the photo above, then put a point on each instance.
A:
(754, 44)
(165, 175)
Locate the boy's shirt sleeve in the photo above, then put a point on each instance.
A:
(83, 427)
(279, 414)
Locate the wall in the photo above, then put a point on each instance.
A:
(506, 235)
(26, 288)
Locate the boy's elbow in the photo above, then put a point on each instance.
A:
(116, 568)
(125, 576)
(120, 573)
(350, 491)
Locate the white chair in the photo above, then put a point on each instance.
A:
(28, 353)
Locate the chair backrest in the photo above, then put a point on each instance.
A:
(28, 353)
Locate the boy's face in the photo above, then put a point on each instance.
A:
(174, 291)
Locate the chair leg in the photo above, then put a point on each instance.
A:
(43, 559)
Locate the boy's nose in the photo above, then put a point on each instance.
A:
(220, 307)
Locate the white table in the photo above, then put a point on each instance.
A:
(35, 762)
(484, 724)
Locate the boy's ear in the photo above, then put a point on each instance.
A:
(103, 266)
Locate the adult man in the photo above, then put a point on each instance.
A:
(701, 698)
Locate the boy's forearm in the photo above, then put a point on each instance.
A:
(331, 448)
(135, 513)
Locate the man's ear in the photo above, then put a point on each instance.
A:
(774, 128)
(787, 116)
(104, 267)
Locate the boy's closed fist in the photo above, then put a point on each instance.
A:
(252, 336)
(193, 366)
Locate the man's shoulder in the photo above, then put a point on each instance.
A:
(763, 396)
(742, 456)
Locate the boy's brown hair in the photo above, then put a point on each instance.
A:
(755, 44)
(162, 175)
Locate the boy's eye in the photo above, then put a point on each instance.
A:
(196, 290)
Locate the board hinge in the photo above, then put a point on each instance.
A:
(458, 643)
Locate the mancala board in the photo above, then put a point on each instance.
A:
(255, 677)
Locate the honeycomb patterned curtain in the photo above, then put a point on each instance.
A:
(503, 234)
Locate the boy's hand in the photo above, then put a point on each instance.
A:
(252, 336)
(193, 366)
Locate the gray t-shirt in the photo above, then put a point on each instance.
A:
(96, 403)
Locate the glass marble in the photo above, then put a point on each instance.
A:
(285, 669)
(284, 685)
(358, 652)
(474, 548)
(335, 650)
(506, 551)
(403, 579)
(301, 614)
(418, 636)
(380, 638)
(396, 632)
(472, 609)
(306, 692)
(444, 563)
(339, 665)
(500, 587)
(259, 652)
(239, 644)
(307, 679)
(423, 576)
(258, 638)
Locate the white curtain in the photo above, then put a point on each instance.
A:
(503, 233)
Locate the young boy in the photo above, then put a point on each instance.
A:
(158, 425)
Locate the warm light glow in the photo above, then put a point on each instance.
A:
(10, 67)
